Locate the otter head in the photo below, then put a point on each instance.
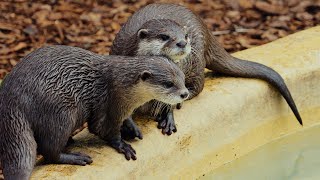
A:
(162, 80)
(163, 37)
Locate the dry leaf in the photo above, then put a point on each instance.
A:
(270, 8)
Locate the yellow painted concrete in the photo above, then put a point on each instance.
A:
(291, 157)
(230, 118)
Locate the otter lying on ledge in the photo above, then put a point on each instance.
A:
(54, 89)
(176, 32)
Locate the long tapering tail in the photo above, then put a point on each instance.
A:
(242, 68)
(226, 64)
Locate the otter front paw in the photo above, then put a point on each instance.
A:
(129, 130)
(167, 124)
(124, 148)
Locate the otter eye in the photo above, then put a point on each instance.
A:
(164, 37)
(168, 84)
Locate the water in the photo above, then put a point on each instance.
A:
(294, 157)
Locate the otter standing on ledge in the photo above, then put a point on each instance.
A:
(53, 90)
(172, 30)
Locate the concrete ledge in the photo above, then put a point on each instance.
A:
(230, 118)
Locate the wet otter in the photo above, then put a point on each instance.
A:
(171, 30)
(54, 89)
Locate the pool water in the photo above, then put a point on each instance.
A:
(295, 156)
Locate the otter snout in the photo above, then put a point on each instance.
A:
(182, 44)
(184, 94)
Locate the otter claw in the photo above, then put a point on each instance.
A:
(167, 124)
(125, 149)
(169, 129)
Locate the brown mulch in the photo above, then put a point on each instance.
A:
(238, 24)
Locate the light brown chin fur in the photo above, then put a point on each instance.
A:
(179, 56)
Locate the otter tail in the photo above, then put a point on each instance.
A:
(226, 64)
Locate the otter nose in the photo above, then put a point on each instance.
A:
(182, 44)
(184, 95)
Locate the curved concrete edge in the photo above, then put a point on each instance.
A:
(230, 118)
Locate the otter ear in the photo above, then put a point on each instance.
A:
(142, 33)
(145, 75)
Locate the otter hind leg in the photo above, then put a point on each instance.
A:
(19, 153)
(54, 154)
(52, 143)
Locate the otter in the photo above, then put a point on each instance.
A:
(55, 89)
(175, 32)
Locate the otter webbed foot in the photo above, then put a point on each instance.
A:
(124, 148)
(129, 130)
(74, 158)
(166, 122)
